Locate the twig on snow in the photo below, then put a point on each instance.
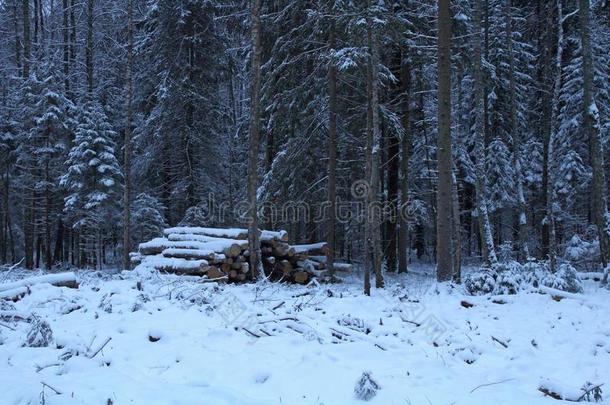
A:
(488, 384)
(100, 348)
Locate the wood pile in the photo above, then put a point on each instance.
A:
(223, 254)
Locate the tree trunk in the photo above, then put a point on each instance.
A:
(332, 155)
(373, 214)
(89, 47)
(253, 232)
(26, 39)
(444, 200)
(66, 46)
(405, 155)
(18, 44)
(58, 255)
(516, 138)
(72, 34)
(487, 243)
(591, 129)
(35, 22)
(127, 147)
(456, 230)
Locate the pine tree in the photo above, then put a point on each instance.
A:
(93, 179)
(148, 218)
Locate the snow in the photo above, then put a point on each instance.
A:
(323, 339)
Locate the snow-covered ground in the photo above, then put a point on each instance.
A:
(175, 340)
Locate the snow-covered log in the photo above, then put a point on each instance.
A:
(14, 294)
(229, 233)
(175, 265)
(314, 249)
(197, 254)
(67, 279)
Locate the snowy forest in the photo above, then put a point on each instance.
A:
(427, 159)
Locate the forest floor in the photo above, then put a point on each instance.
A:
(175, 340)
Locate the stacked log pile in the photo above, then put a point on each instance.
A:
(223, 254)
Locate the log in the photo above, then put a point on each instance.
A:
(232, 251)
(216, 274)
(301, 277)
(245, 267)
(15, 294)
(228, 233)
(67, 279)
(178, 266)
(285, 267)
(314, 249)
(195, 254)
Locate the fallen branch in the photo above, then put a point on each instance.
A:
(51, 388)
(488, 384)
(251, 333)
(12, 316)
(100, 348)
(495, 339)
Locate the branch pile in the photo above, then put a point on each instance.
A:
(223, 254)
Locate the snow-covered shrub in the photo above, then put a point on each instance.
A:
(565, 279)
(506, 252)
(147, 217)
(6, 306)
(105, 303)
(366, 387)
(40, 334)
(582, 252)
(357, 324)
(591, 392)
(509, 278)
(480, 282)
(199, 215)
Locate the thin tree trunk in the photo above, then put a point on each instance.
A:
(516, 138)
(405, 155)
(89, 47)
(58, 253)
(591, 128)
(332, 155)
(127, 147)
(66, 46)
(18, 44)
(35, 22)
(6, 213)
(72, 37)
(456, 231)
(47, 215)
(373, 212)
(26, 39)
(487, 243)
(253, 232)
(444, 200)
